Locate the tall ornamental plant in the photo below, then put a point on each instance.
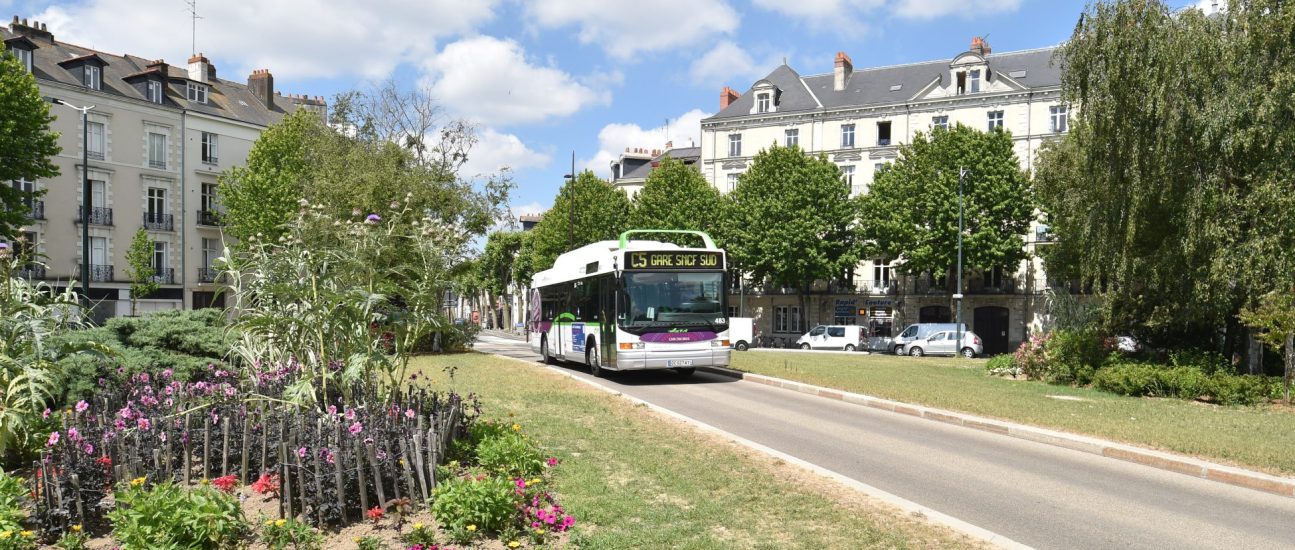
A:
(342, 299)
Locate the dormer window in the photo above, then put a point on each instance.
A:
(975, 81)
(91, 77)
(198, 93)
(155, 91)
(962, 82)
(762, 103)
(24, 57)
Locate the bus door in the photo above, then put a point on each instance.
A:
(607, 316)
(562, 327)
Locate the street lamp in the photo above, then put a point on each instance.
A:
(962, 176)
(571, 204)
(85, 194)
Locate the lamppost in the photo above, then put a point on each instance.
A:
(571, 204)
(85, 195)
(962, 175)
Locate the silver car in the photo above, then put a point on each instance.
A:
(945, 342)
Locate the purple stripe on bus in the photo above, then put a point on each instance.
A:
(673, 337)
(541, 326)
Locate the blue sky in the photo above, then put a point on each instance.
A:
(544, 78)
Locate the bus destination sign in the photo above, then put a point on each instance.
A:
(675, 260)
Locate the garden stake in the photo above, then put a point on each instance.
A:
(433, 457)
(339, 462)
(224, 456)
(242, 470)
(301, 487)
(188, 453)
(404, 462)
(418, 459)
(286, 486)
(377, 479)
(359, 477)
(80, 510)
(206, 447)
(319, 478)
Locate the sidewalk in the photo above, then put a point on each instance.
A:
(1156, 459)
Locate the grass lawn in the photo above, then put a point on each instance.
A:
(1261, 437)
(635, 479)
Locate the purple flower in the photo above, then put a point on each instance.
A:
(88, 448)
(45, 415)
(381, 455)
(372, 218)
(73, 435)
(144, 424)
(301, 452)
(356, 428)
(103, 382)
(82, 406)
(53, 440)
(143, 377)
(167, 373)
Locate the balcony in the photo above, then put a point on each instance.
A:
(209, 218)
(210, 160)
(37, 210)
(99, 215)
(163, 276)
(882, 287)
(30, 271)
(924, 285)
(155, 221)
(1005, 285)
(208, 274)
(98, 273)
(95, 155)
(883, 142)
(157, 164)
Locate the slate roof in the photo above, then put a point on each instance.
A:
(681, 153)
(874, 86)
(226, 98)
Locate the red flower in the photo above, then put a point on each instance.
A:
(375, 513)
(226, 483)
(267, 484)
(105, 461)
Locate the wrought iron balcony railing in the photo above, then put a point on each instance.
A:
(209, 218)
(164, 276)
(157, 221)
(208, 274)
(157, 164)
(98, 273)
(30, 271)
(99, 215)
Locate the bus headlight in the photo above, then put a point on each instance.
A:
(630, 345)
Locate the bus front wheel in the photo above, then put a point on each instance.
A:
(544, 350)
(592, 359)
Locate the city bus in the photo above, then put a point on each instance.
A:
(633, 305)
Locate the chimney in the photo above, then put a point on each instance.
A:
(261, 83)
(844, 68)
(199, 68)
(727, 96)
(979, 46)
(35, 30)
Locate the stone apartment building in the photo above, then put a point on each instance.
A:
(158, 137)
(858, 118)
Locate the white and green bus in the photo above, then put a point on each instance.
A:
(633, 305)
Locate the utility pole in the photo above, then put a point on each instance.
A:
(85, 196)
(962, 175)
(571, 204)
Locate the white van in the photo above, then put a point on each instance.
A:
(843, 337)
(920, 331)
(741, 332)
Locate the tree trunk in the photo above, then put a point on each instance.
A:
(1254, 354)
(1290, 365)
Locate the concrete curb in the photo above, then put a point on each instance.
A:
(897, 501)
(1194, 467)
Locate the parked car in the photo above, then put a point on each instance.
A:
(945, 342)
(842, 337)
(919, 331)
(741, 332)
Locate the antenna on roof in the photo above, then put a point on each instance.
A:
(193, 31)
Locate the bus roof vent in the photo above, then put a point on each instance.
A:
(625, 237)
(591, 267)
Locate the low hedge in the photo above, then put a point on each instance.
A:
(1140, 379)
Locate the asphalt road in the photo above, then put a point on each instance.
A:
(1038, 495)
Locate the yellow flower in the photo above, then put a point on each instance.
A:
(204, 481)
(280, 522)
(76, 528)
(6, 534)
(137, 481)
(539, 531)
(418, 526)
(27, 534)
(517, 427)
(472, 528)
(356, 540)
(514, 544)
(536, 481)
(269, 522)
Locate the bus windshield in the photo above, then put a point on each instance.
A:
(667, 299)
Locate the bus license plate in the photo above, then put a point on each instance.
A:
(679, 363)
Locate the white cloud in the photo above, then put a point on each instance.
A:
(728, 62)
(626, 27)
(1211, 6)
(846, 14)
(496, 150)
(490, 80)
(614, 138)
(294, 39)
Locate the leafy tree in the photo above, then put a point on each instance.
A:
(26, 144)
(524, 265)
(677, 196)
(263, 196)
(1275, 318)
(496, 265)
(790, 220)
(139, 268)
(599, 212)
(911, 210)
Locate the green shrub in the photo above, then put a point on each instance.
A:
(280, 534)
(1137, 379)
(1002, 365)
(13, 498)
(468, 507)
(1183, 383)
(1072, 356)
(169, 516)
(1133, 379)
(1248, 389)
(1031, 357)
(510, 454)
(1208, 362)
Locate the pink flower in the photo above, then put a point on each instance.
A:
(568, 521)
(162, 436)
(82, 406)
(167, 373)
(553, 461)
(45, 415)
(350, 414)
(301, 452)
(409, 413)
(89, 449)
(356, 428)
(332, 409)
(143, 377)
(73, 435)
(53, 440)
(144, 424)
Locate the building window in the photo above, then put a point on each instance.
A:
(941, 121)
(208, 198)
(24, 57)
(996, 277)
(962, 82)
(155, 91)
(786, 319)
(157, 151)
(98, 251)
(156, 202)
(96, 141)
(735, 145)
(762, 103)
(91, 77)
(732, 182)
(847, 175)
(1060, 118)
(847, 135)
(995, 120)
(975, 81)
(98, 194)
(791, 138)
(883, 133)
(159, 262)
(211, 250)
(881, 272)
(209, 148)
(197, 93)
